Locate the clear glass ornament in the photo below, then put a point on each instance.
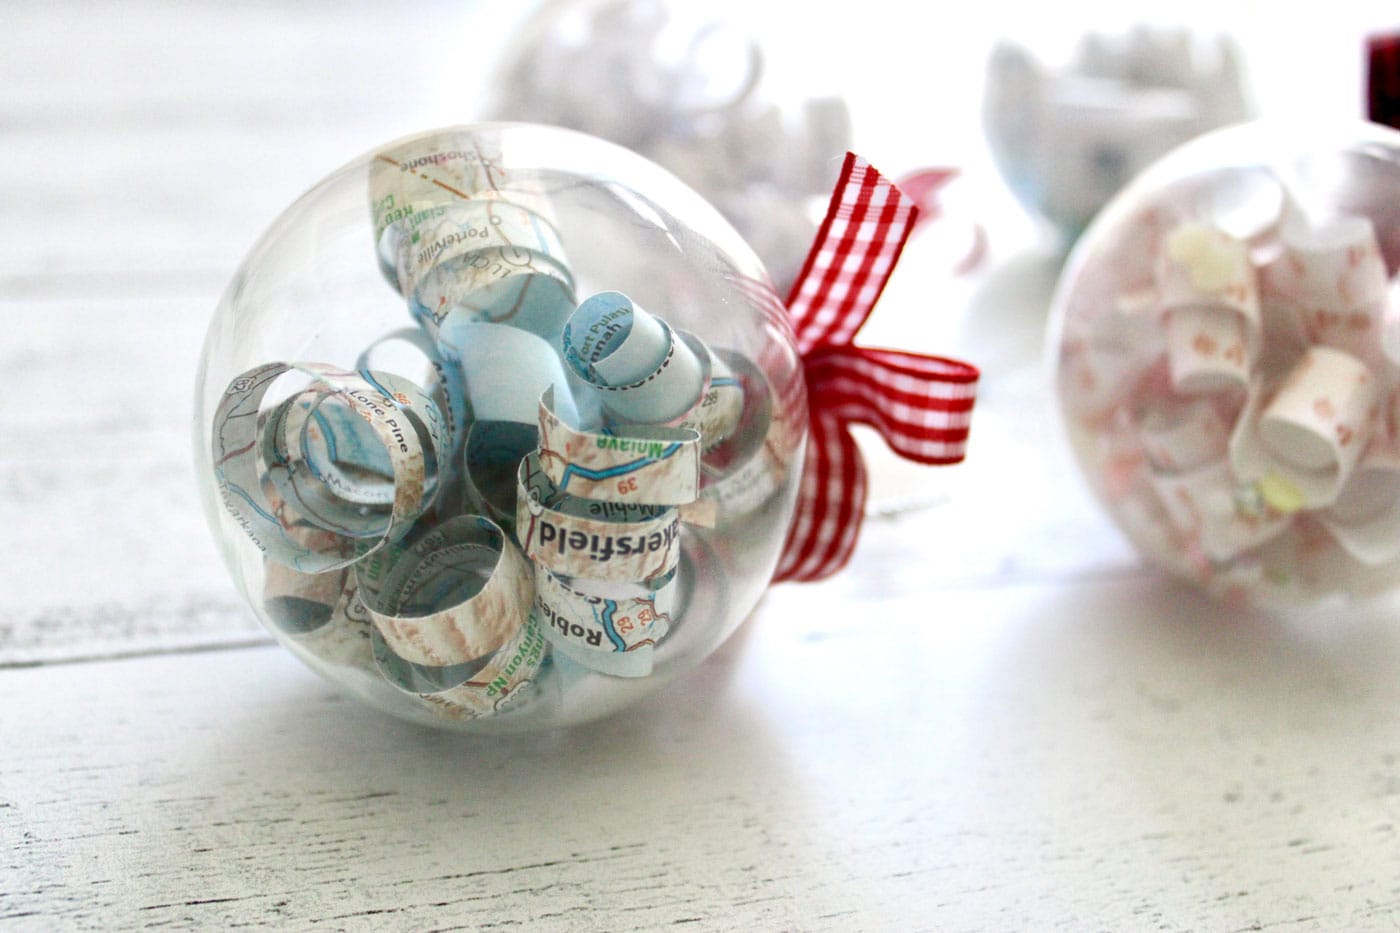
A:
(500, 427)
(1227, 347)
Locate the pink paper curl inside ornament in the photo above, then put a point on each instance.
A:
(1227, 346)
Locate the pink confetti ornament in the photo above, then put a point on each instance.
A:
(1257, 382)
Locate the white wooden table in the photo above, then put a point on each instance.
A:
(996, 719)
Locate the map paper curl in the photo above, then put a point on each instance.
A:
(535, 427)
(497, 424)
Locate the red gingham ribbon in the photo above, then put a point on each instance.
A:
(1383, 80)
(925, 186)
(920, 405)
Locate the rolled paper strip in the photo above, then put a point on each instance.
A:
(425, 413)
(345, 637)
(605, 541)
(507, 371)
(716, 414)
(1101, 382)
(639, 662)
(1335, 263)
(299, 603)
(1203, 266)
(1390, 325)
(269, 488)
(638, 464)
(492, 458)
(609, 628)
(1208, 350)
(447, 595)
(1182, 437)
(1131, 325)
(1206, 507)
(422, 173)
(335, 444)
(455, 230)
(645, 374)
(325, 461)
(1365, 519)
(485, 260)
(1320, 418)
(415, 177)
(448, 391)
(1104, 362)
(1319, 422)
(1332, 277)
(501, 286)
(444, 385)
(475, 690)
(405, 183)
(610, 340)
(745, 474)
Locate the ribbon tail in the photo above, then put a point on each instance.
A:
(923, 187)
(830, 504)
(968, 236)
(866, 226)
(920, 405)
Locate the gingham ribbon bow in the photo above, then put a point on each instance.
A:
(920, 405)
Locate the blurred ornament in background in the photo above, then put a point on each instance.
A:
(1068, 137)
(692, 89)
(1227, 343)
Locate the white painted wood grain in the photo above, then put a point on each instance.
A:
(1103, 756)
(995, 720)
(105, 550)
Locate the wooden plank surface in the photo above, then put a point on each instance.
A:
(997, 719)
(1032, 756)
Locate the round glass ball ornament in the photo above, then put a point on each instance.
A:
(500, 427)
(1227, 344)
